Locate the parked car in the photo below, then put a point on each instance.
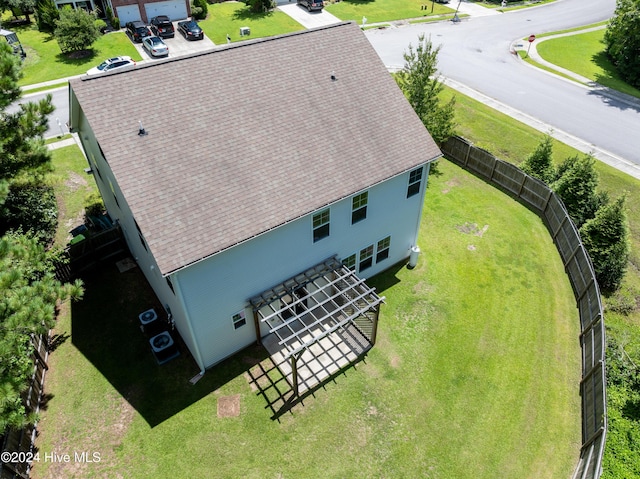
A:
(312, 5)
(155, 46)
(162, 26)
(112, 64)
(137, 30)
(191, 30)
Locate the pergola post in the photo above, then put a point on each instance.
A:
(256, 323)
(374, 331)
(294, 375)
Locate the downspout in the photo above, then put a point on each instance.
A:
(198, 355)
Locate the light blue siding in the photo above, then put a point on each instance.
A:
(218, 287)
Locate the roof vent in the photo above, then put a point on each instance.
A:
(333, 76)
(141, 130)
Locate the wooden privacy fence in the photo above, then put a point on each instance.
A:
(537, 195)
(18, 443)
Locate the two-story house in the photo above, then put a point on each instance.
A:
(259, 182)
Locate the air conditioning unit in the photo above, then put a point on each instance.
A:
(245, 31)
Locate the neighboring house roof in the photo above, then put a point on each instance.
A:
(250, 136)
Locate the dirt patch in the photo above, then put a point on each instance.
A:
(74, 182)
(452, 183)
(229, 406)
(472, 229)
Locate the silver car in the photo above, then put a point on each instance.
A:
(155, 46)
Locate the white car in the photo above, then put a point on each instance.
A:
(112, 64)
(155, 46)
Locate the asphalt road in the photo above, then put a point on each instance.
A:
(59, 118)
(476, 53)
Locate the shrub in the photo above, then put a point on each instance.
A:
(46, 15)
(199, 9)
(93, 205)
(75, 30)
(31, 208)
(101, 25)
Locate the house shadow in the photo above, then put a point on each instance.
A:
(105, 328)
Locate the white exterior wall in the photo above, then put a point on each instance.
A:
(120, 212)
(217, 288)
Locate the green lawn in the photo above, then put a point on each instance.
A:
(464, 382)
(227, 18)
(46, 62)
(385, 10)
(585, 54)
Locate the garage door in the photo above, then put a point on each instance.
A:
(128, 13)
(174, 9)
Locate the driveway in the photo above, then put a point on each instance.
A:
(178, 46)
(305, 18)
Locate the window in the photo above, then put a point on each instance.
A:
(239, 320)
(321, 225)
(350, 262)
(359, 207)
(382, 251)
(415, 178)
(366, 258)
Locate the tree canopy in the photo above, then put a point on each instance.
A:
(606, 238)
(622, 39)
(76, 30)
(539, 164)
(421, 85)
(28, 296)
(22, 148)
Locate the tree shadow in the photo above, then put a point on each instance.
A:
(247, 14)
(77, 58)
(106, 330)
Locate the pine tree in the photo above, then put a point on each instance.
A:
(606, 238)
(28, 296)
(577, 182)
(420, 83)
(539, 164)
(22, 148)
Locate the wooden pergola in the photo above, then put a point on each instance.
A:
(319, 322)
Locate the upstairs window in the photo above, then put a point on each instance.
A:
(366, 258)
(321, 225)
(359, 207)
(382, 251)
(415, 179)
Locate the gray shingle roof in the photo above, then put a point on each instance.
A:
(250, 136)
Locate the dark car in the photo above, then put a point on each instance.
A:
(311, 5)
(162, 26)
(191, 30)
(137, 30)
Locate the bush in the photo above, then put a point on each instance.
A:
(46, 15)
(199, 9)
(31, 208)
(606, 238)
(101, 25)
(115, 23)
(76, 30)
(93, 205)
